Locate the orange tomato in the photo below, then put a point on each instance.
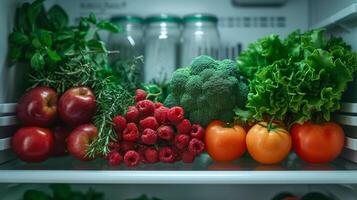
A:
(268, 145)
(225, 143)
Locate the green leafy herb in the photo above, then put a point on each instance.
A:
(297, 79)
(35, 195)
(37, 61)
(63, 192)
(144, 197)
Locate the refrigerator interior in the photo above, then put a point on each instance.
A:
(238, 25)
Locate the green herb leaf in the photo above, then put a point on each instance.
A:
(19, 38)
(35, 195)
(33, 12)
(21, 18)
(105, 25)
(58, 17)
(61, 191)
(53, 55)
(36, 43)
(97, 45)
(92, 18)
(37, 62)
(62, 36)
(15, 53)
(45, 37)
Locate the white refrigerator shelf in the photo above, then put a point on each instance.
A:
(202, 171)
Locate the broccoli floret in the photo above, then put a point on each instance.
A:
(194, 85)
(188, 101)
(202, 63)
(178, 81)
(206, 74)
(171, 101)
(208, 90)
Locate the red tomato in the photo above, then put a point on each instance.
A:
(224, 143)
(317, 143)
(33, 144)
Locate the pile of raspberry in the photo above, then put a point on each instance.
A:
(150, 133)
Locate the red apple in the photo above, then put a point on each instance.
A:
(77, 106)
(33, 144)
(60, 134)
(79, 140)
(37, 107)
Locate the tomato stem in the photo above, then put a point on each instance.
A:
(270, 124)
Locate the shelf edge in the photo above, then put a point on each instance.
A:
(339, 16)
(179, 177)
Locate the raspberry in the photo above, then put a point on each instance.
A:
(151, 155)
(188, 157)
(126, 146)
(175, 114)
(158, 105)
(149, 122)
(131, 133)
(166, 155)
(114, 158)
(181, 141)
(177, 154)
(184, 127)
(166, 132)
(132, 115)
(141, 150)
(114, 146)
(145, 107)
(161, 114)
(119, 123)
(149, 136)
(196, 146)
(140, 95)
(197, 132)
(131, 158)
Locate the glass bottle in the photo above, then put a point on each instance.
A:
(162, 38)
(200, 37)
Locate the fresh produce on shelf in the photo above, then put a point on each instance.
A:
(144, 197)
(62, 192)
(225, 142)
(38, 107)
(79, 141)
(317, 143)
(285, 196)
(60, 134)
(77, 106)
(208, 89)
(298, 79)
(308, 196)
(151, 133)
(33, 144)
(315, 196)
(268, 143)
(61, 57)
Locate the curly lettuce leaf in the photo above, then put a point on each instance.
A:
(307, 83)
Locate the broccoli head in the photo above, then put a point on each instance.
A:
(208, 89)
